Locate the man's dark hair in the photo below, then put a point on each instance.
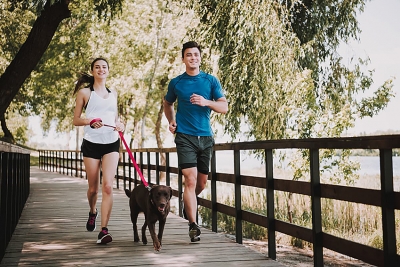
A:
(190, 44)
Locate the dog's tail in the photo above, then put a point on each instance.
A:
(128, 193)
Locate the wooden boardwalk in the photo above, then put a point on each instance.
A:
(51, 232)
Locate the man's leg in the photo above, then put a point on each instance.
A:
(189, 194)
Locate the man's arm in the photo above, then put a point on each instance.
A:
(170, 115)
(220, 105)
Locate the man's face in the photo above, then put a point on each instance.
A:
(192, 58)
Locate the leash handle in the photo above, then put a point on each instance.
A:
(133, 161)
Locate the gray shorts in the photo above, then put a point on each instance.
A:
(194, 151)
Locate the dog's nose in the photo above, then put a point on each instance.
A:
(162, 205)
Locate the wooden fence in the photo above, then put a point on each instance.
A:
(386, 198)
(14, 189)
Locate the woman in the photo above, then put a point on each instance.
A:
(100, 145)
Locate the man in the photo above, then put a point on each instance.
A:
(198, 93)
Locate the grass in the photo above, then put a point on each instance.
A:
(352, 221)
(34, 160)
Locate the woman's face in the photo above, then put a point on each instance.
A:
(100, 69)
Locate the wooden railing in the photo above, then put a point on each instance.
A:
(386, 198)
(14, 189)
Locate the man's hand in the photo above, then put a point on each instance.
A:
(172, 127)
(198, 100)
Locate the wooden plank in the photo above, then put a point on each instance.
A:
(51, 232)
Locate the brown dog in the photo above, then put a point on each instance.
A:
(155, 206)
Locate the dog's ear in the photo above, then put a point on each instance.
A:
(170, 194)
(151, 191)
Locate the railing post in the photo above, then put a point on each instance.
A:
(117, 174)
(180, 192)
(269, 171)
(47, 160)
(214, 213)
(167, 170)
(238, 197)
(3, 203)
(53, 161)
(157, 168)
(135, 173)
(388, 217)
(76, 163)
(148, 168)
(123, 168)
(130, 176)
(316, 208)
(80, 164)
(70, 160)
(141, 162)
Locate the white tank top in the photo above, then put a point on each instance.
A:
(106, 110)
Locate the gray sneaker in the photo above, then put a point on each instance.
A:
(194, 232)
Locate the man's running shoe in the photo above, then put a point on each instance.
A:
(194, 232)
(104, 236)
(91, 222)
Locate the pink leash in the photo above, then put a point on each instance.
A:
(128, 150)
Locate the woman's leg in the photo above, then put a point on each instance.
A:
(92, 167)
(109, 168)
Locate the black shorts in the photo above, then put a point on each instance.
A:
(97, 151)
(194, 151)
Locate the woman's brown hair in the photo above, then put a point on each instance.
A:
(85, 78)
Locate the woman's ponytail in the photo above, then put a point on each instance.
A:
(84, 78)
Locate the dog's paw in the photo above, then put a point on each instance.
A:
(157, 245)
(144, 241)
(136, 240)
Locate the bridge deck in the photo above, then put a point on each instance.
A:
(51, 232)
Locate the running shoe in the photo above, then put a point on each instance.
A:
(194, 232)
(91, 222)
(104, 236)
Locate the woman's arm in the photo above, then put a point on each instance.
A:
(81, 98)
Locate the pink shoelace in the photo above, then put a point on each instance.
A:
(92, 219)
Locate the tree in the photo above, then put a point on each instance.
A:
(271, 52)
(50, 15)
(279, 65)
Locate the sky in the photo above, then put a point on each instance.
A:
(380, 41)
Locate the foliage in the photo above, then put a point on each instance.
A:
(253, 201)
(13, 55)
(142, 46)
(143, 59)
(279, 65)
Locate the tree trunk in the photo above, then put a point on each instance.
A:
(158, 137)
(8, 137)
(31, 51)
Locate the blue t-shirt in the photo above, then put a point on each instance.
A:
(190, 118)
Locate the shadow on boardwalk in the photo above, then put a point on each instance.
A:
(51, 232)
